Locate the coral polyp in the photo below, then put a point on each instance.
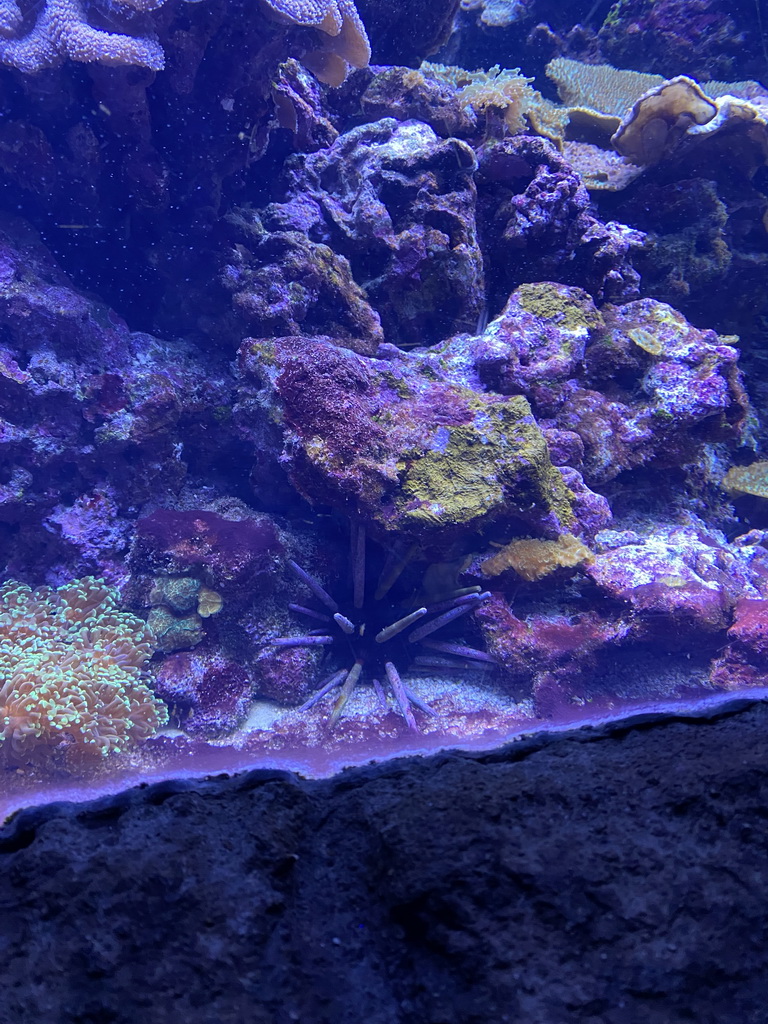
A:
(368, 640)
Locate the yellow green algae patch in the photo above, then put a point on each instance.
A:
(534, 559)
(660, 330)
(497, 461)
(555, 303)
(747, 480)
(646, 341)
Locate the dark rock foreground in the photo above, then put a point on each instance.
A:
(602, 877)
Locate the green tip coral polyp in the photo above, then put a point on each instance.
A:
(72, 671)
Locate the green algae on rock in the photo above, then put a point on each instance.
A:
(569, 309)
(477, 471)
(405, 442)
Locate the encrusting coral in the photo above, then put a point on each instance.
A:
(71, 670)
(533, 559)
(599, 87)
(614, 91)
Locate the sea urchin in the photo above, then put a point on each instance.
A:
(378, 632)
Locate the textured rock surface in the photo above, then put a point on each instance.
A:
(538, 224)
(424, 457)
(601, 878)
(89, 413)
(701, 36)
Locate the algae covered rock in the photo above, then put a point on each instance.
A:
(538, 343)
(401, 443)
(495, 462)
(614, 388)
(654, 389)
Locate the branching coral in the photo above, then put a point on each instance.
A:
(71, 669)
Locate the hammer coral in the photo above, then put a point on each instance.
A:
(71, 669)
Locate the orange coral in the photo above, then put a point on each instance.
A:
(534, 559)
(71, 668)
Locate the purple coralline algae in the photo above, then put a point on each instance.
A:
(672, 388)
(399, 203)
(231, 556)
(537, 346)
(409, 95)
(400, 444)
(677, 582)
(95, 417)
(675, 590)
(205, 691)
(537, 222)
(387, 224)
(741, 662)
(282, 282)
(376, 233)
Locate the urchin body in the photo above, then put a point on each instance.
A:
(376, 634)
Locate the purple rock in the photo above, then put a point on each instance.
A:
(536, 223)
(231, 556)
(399, 203)
(90, 412)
